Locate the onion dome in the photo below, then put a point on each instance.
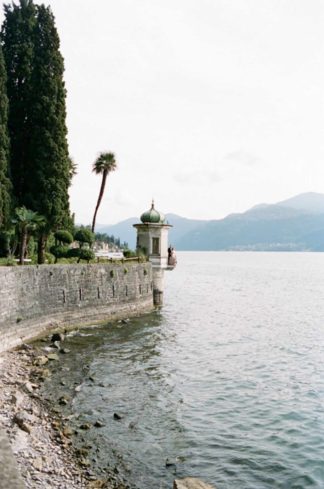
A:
(152, 216)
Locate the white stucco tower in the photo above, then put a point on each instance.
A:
(152, 240)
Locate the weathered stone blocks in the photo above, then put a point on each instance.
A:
(37, 299)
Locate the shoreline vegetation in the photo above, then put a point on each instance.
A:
(40, 436)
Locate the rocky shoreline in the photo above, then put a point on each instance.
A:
(39, 436)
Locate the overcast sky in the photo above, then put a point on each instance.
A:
(211, 106)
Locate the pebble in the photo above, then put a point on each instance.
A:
(41, 441)
(118, 416)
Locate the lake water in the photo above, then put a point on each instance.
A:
(226, 380)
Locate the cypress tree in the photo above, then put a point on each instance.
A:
(18, 49)
(5, 185)
(48, 149)
(41, 167)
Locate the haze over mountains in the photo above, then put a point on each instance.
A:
(295, 224)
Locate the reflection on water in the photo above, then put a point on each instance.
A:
(226, 381)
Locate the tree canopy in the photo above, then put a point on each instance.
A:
(5, 185)
(40, 164)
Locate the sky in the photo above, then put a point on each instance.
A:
(210, 106)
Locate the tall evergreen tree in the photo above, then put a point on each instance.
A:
(18, 48)
(5, 185)
(41, 166)
(48, 150)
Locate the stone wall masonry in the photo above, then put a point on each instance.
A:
(37, 299)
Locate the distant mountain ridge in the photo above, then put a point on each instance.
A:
(295, 224)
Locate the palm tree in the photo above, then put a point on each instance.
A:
(104, 164)
(26, 221)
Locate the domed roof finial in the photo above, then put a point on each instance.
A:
(152, 216)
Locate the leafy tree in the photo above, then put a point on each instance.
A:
(26, 221)
(103, 165)
(5, 185)
(41, 166)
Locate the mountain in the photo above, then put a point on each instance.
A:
(311, 202)
(295, 224)
(123, 230)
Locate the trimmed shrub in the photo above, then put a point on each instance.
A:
(86, 255)
(73, 253)
(63, 236)
(84, 236)
(129, 253)
(59, 251)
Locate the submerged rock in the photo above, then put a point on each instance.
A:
(64, 350)
(118, 416)
(64, 400)
(57, 337)
(191, 483)
(98, 424)
(170, 463)
(53, 356)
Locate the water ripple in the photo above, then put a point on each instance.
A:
(227, 379)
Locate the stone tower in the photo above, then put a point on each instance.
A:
(152, 241)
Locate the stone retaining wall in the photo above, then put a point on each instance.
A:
(36, 299)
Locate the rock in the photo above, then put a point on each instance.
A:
(38, 463)
(53, 356)
(191, 483)
(170, 463)
(85, 426)
(125, 321)
(17, 398)
(63, 400)
(21, 420)
(64, 350)
(55, 425)
(45, 373)
(85, 462)
(98, 424)
(57, 337)
(40, 361)
(30, 387)
(67, 431)
(82, 452)
(56, 344)
(118, 416)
